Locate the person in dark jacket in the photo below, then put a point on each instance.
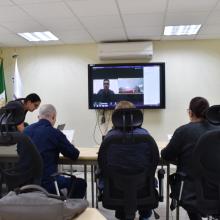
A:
(136, 160)
(51, 142)
(179, 150)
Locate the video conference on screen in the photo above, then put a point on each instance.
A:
(139, 84)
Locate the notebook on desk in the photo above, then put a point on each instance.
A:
(69, 134)
(61, 126)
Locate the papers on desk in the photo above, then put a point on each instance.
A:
(169, 136)
(69, 134)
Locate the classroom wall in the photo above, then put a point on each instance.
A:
(59, 75)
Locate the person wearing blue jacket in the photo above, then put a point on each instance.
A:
(51, 142)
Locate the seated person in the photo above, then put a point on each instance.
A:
(105, 95)
(51, 142)
(144, 213)
(180, 148)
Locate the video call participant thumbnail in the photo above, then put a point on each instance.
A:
(106, 95)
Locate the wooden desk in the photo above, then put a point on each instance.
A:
(88, 155)
(90, 214)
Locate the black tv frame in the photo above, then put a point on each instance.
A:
(162, 83)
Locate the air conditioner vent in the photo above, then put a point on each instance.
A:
(123, 51)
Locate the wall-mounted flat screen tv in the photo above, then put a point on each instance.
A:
(140, 83)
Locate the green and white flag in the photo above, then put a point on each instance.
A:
(3, 97)
(18, 87)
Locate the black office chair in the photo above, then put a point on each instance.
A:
(206, 158)
(26, 170)
(129, 182)
(213, 114)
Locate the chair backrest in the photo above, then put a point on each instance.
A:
(11, 114)
(127, 118)
(29, 167)
(206, 169)
(213, 114)
(129, 164)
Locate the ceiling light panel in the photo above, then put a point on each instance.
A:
(39, 36)
(181, 30)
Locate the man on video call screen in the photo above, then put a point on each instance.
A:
(106, 95)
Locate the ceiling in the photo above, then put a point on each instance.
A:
(93, 21)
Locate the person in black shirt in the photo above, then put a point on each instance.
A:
(30, 103)
(180, 148)
(105, 95)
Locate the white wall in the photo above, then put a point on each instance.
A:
(59, 75)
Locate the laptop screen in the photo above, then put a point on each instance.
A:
(61, 127)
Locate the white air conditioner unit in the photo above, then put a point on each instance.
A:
(124, 51)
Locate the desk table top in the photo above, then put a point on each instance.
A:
(86, 153)
(90, 214)
(91, 153)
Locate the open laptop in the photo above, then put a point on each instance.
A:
(61, 126)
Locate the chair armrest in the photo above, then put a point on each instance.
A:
(62, 173)
(182, 177)
(98, 172)
(160, 175)
(176, 182)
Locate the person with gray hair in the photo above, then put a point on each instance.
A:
(48, 112)
(51, 142)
